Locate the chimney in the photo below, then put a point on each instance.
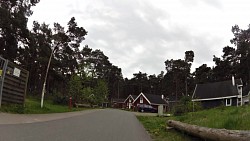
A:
(233, 81)
(162, 96)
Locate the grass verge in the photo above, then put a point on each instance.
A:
(233, 118)
(33, 106)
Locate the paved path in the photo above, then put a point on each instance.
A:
(98, 125)
(7, 118)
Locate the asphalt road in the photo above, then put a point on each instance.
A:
(102, 125)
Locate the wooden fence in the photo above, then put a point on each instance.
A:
(14, 84)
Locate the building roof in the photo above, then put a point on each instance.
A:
(246, 90)
(155, 99)
(216, 89)
(120, 100)
(132, 96)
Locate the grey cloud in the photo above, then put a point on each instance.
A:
(137, 24)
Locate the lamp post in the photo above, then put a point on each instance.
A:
(44, 83)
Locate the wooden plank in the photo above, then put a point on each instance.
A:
(14, 84)
(11, 100)
(16, 89)
(15, 80)
(12, 92)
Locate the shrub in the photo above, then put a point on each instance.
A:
(13, 108)
(186, 105)
(61, 100)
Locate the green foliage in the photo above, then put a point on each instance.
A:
(156, 126)
(13, 108)
(186, 105)
(75, 88)
(233, 118)
(60, 99)
(101, 92)
(96, 94)
(32, 106)
(88, 95)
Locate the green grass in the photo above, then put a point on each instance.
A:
(233, 118)
(33, 106)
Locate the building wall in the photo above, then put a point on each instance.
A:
(216, 103)
(119, 105)
(139, 102)
(129, 101)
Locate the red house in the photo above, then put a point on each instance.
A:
(150, 99)
(129, 101)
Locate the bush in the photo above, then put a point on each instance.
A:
(185, 106)
(179, 110)
(59, 99)
(13, 108)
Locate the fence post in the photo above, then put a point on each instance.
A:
(2, 79)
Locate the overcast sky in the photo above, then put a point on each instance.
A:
(140, 35)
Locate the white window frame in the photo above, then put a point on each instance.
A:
(230, 102)
(141, 99)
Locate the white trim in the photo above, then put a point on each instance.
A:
(194, 91)
(143, 96)
(128, 97)
(230, 101)
(205, 99)
(157, 104)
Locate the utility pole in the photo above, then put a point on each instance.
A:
(45, 79)
(118, 89)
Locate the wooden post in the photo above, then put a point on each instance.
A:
(211, 133)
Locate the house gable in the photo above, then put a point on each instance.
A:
(132, 97)
(142, 95)
(152, 99)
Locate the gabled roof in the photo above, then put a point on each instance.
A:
(132, 96)
(120, 100)
(152, 99)
(155, 99)
(216, 90)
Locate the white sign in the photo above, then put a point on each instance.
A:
(16, 72)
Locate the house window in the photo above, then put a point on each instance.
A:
(141, 99)
(129, 100)
(229, 102)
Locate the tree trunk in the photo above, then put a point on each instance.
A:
(211, 133)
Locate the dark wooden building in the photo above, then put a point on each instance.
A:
(227, 93)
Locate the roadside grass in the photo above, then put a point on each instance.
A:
(233, 118)
(32, 106)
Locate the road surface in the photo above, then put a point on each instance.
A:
(100, 125)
